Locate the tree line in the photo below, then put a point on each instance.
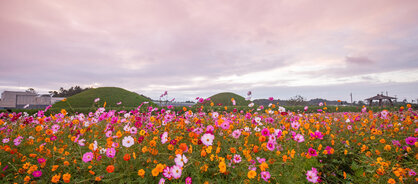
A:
(67, 92)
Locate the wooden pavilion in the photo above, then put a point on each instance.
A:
(380, 98)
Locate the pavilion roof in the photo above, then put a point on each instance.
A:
(380, 97)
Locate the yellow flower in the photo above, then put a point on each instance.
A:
(391, 181)
(222, 167)
(155, 172)
(56, 178)
(251, 174)
(264, 166)
(141, 173)
(66, 177)
(54, 167)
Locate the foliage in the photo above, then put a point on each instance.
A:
(220, 146)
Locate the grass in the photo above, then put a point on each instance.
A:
(225, 99)
(110, 95)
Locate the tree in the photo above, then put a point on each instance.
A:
(67, 93)
(297, 100)
(31, 90)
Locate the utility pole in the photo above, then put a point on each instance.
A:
(351, 96)
(387, 93)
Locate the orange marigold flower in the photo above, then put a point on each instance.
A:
(66, 177)
(391, 181)
(251, 174)
(127, 157)
(110, 168)
(55, 178)
(141, 173)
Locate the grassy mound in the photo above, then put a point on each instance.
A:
(110, 95)
(225, 99)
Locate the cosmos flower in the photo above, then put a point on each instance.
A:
(265, 175)
(312, 175)
(128, 141)
(207, 139)
(176, 172)
(110, 152)
(312, 152)
(237, 158)
(299, 138)
(164, 137)
(236, 134)
(87, 157)
(188, 180)
(167, 172)
(411, 140)
(180, 160)
(37, 174)
(265, 132)
(271, 145)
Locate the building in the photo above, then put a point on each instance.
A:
(380, 99)
(20, 100)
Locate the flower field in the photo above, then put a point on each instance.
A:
(155, 145)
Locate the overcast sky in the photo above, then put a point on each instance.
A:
(324, 49)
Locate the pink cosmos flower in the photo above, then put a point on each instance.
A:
(87, 157)
(162, 181)
(164, 137)
(411, 140)
(133, 130)
(265, 175)
(317, 135)
(180, 160)
(41, 160)
(167, 172)
(295, 125)
(299, 138)
(312, 152)
(189, 180)
(18, 140)
(96, 100)
(236, 134)
(176, 172)
(312, 176)
(237, 158)
(37, 174)
(271, 145)
(110, 152)
(225, 125)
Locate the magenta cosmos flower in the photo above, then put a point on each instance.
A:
(37, 174)
(312, 152)
(265, 132)
(189, 180)
(411, 140)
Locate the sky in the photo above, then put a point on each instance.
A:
(317, 49)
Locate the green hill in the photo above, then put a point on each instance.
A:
(110, 95)
(225, 99)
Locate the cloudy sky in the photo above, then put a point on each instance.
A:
(323, 49)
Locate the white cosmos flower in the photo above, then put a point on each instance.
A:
(128, 141)
(207, 139)
(180, 160)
